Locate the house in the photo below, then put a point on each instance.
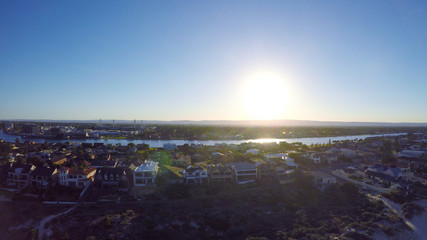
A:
(195, 174)
(169, 146)
(112, 178)
(280, 158)
(218, 157)
(381, 178)
(103, 164)
(71, 177)
(244, 172)
(42, 177)
(173, 175)
(329, 157)
(394, 172)
(323, 180)
(59, 159)
(87, 145)
(266, 172)
(181, 161)
(348, 153)
(145, 174)
(19, 175)
(253, 151)
(404, 188)
(285, 176)
(315, 157)
(412, 154)
(219, 173)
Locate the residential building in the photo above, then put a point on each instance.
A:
(244, 172)
(253, 151)
(19, 175)
(195, 174)
(315, 157)
(59, 159)
(412, 154)
(219, 173)
(169, 146)
(267, 172)
(329, 157)
(103, 164)
(42, 177)
(173, 175)
(394, 172)
(145, 174)
(112, 178)
(181, 161)
(71, 177)
(285, 176)
(218, 157)
(323, 180)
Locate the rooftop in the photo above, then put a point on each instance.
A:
(147, 166)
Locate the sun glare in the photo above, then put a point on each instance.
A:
(265, 96)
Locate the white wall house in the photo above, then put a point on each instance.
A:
(195, 175)
(70, 177)
(244, 172)
(145, 174)
(315, 157)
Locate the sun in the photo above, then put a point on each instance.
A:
(265, 96)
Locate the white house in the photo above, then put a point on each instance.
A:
(315, 157)
(283, 156)
(145, 174)
(195, 175)
(244, 172)
(253, 151)
(71, 177)
(19, 175)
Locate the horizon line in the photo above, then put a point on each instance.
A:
(207, 120)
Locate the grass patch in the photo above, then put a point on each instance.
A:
(162, 157)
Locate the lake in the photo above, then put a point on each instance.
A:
(159, 143)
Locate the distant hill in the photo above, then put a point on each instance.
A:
(290, 123)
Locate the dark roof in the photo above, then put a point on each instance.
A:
(102, 163)
(381, 175)
(110, 172)
(25, 167)
(191, 169)
(219, 168)
(43, 171)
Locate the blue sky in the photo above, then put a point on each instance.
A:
(175, 60)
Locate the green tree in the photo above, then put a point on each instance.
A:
(387, 152)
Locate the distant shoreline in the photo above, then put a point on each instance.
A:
(23, 136)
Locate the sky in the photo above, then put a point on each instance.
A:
(214, 60)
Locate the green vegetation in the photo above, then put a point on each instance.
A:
(162, 157)
(297, 211)
(411, 209)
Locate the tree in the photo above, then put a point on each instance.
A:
(350, 190)
(37, 161)
(387, 152)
